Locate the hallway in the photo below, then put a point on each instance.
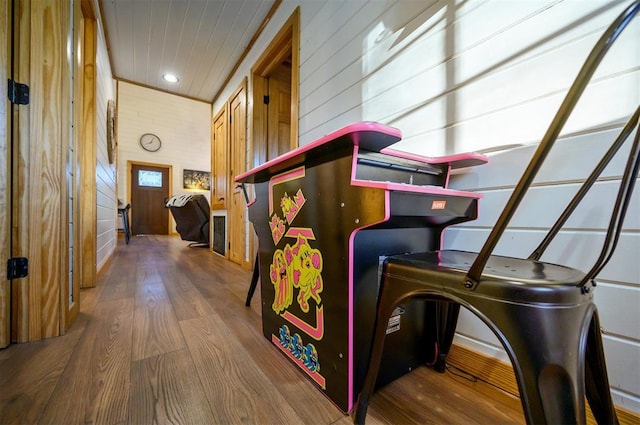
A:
(165, 338)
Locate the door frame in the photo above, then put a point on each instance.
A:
(130, 164)
(5, 171)
(239, 143)
(286, 42)
(86, 183)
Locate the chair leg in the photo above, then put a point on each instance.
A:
(446, 320)
(254, 281)
(380, 327)
(125, 224)
(392, 292)
(544, 346)
(596, 379)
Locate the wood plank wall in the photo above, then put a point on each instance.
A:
(105, 173)
(456, 76)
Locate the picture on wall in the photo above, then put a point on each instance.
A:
(199, 180)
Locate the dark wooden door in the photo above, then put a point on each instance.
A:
(149, 189)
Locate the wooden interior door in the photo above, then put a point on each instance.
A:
(279, 110)
(149, 190)
(219, 161)
(237, 204)
(42, 132)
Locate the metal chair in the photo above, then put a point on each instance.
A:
(542, 313)
(124, 213)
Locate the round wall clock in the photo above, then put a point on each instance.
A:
(150, 142)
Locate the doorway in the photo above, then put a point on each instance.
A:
(149, 188)
(275, 94)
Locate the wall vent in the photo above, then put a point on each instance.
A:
(219, 243)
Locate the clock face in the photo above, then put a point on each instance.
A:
(150, 142)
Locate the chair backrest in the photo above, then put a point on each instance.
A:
(567, 106)
(192, 219)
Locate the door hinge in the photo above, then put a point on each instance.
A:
(17, 267)
(265, 99)
(18, 93)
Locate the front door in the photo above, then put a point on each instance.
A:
(149, 190)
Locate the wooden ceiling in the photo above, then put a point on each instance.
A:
(200, 41)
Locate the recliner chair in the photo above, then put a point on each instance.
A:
(191, 213)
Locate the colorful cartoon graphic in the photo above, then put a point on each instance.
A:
(298, 266)
(291, 207)
(306, 264)
(282, 284)
(276, 224)
(295, 348)
(285, 337)
(310, 358)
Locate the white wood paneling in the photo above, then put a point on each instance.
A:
(106, 204)
(455, 76)
(199, 41)
(577, 245)
(182, 124)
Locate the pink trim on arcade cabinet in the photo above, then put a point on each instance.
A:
(401, 187)
(353, 128)
(466, 159)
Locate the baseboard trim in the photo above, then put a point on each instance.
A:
(501, 375)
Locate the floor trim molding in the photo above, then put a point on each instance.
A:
(501, 375)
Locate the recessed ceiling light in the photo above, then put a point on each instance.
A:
(170, 78)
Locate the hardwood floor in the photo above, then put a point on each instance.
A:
(165, 338)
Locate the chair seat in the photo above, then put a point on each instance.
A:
(510, 279)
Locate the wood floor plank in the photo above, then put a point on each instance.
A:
(152, 294)
(452, 400)
(166, 389)
(120, 283)
(155, 331)
(187, 301)
(26, 386)
(237, 389)
(308, 402)
(201, 355)
(94, 387)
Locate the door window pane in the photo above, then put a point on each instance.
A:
(149, 178)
